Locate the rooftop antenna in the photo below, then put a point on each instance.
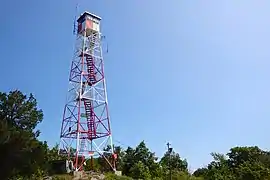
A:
(103, 37)
(75, 18)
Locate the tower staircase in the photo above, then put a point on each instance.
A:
(91, 70)
(90, 116)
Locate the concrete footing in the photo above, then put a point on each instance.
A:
(118, 173)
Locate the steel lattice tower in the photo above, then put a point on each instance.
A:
(86, 124)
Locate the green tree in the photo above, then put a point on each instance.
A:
(52, 154)
(141, 155)
(200, 172)
(144, 155)
(20, 151)
(218, 169)
(241, 163)
(249, 163)
(140, 171)
(175, 162)
(128, 161)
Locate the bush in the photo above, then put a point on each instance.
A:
(111, 176)
(157, 178)
(62, 177)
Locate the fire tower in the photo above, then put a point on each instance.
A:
(85, 131)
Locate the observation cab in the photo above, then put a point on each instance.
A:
(88, 24)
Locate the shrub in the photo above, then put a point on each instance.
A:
(62, 177)
(111, 176)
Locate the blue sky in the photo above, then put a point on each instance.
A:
(195, 73)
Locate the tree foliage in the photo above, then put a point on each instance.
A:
(241, 163)
(175, 162)
(20, 151)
